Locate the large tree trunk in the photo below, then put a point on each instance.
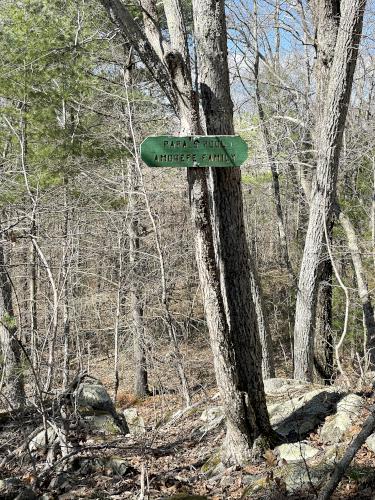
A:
(13, 391)
(134, 181)
(327, 19)
(324, 189)
(230, 314)
(216, 203)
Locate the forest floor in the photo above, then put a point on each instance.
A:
(174, 458)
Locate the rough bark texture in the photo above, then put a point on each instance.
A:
(323, 357)
(13, 390)
(230, 311)
(327, 20)
(216, 204)
(324, 189)
(139, 345)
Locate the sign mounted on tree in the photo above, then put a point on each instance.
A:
(194, 151)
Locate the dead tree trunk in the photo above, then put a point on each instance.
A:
(324, 188)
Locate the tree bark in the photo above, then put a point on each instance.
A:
(13, 380)
(265, 337)
(230, 312)
(364, 295)
(324, 189)
(323, 356)
(327, 20)
(222, 254)
(66, 288)
(141, 376)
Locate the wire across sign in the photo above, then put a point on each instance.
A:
(194, 151)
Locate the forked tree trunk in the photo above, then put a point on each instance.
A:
(216, 202)
(324, 189)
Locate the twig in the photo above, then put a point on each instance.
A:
(332, 483)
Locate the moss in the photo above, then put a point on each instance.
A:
(212, 462)
(255, 487)
(193, 411)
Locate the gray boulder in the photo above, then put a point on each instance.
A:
(296, 452)
(93, 399)
(212, 417)
(274, 386)
(135, 422)
(39, 442)
(296, 413)
(335, 427)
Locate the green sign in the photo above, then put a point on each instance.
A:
(194, 151)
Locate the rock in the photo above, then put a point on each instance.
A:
(114, 465)
(289, 478)
(295, 417)
(135, 422)
(39, 441)
(102, 423)
(213, 417)
(335, 427)
(296, 452)
(297, 477)
(94, 397)
(333, 453)
(282, 385)
(211, 413)
(370, 442)
(60, 482)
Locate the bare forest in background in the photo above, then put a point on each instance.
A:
(167, 285)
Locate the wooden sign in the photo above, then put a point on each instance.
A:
(194, 151)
